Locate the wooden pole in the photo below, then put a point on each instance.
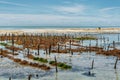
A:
(108, 47)
(13, 50)
(29, 77)
(38, 49)
(118, 37)
(92, 64)
(114, 44)
(96, 42)
(9, 36)
(10, 78)
(70, 46)
(90, 47)
(89, 73)
(46, 50)
(28, 50)
(49, 49)
(108, 40)
(23, 42)
(1, 51)
(13, 42)
(116, 63)
(1, 38)
(65, 46)
(12, 39)
(101, 41)
(58, 47)
(104, 40)
(71, 52)
(56, 65)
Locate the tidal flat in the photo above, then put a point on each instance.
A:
(71, 55)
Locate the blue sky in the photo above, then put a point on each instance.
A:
(59, 12)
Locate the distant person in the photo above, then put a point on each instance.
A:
(99, 28)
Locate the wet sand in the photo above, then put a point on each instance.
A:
(66, 30)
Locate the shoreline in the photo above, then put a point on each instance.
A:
(66, 30)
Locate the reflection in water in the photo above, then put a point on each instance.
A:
(56, 76)
(70, 60)
(89, 74)
(116, 73)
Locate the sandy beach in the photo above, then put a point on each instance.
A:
(66, 30)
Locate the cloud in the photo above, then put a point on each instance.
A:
(55, 20)
(12, 3)
(110, 12)
(109, 8)
(29, 19)
(69, 15)
(74, 9)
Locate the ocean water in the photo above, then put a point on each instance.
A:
(53, 27)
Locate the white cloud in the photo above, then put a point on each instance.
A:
(109, 12)
(109, 8)
(75, 9)
(81, 15)
(29, 19)
(54, 20)
(12, 3)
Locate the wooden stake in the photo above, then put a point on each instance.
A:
(114, 44)
(56, 65)
(108, 47)
(116, 63)
(1, 51)
(90, 47)
(58, 47)
(13, 50)
(71, 52)
(12, 39)
(46, 50)
(10, 78)
(28, 50)
(38, 48)
(70, 46)
(29, 77)
(65, 46)
(92, 64)
(96, 42)
(118, 37)
(49, 49)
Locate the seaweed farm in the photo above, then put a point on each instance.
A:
(60, 56)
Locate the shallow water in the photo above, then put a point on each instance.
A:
(81, 66)
(52, 27)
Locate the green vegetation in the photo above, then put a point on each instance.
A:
(52, 62)
(36, 58)
(86, 38)
(61, 65)
(40, 59)
(64, 66)
(3, 44)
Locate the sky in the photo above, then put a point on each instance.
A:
(59, 12)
